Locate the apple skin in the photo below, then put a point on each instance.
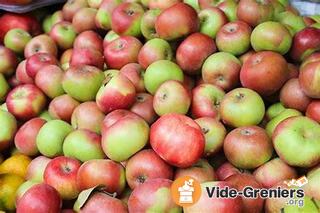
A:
(117, 92)
(292, 20)
(65, 59)
(206, 99)
(147, 24)
(25, 101)
(51, 136)
(242, 107)
(201, 171)
(62, 107)
(8, 61)
(134, 72)
(214, 133)
(276, 204)
(63, 34)
(89, 40)
(48, 79)
(102, 172)
(77, 80)
(158, 199)
(240, 181)
(16, 39)
(268, 174)
(229, 7)
(61, 174)
(293, 71)
(41, 44)
(274, 110)
(298, 154)
(94, 3)
(40, 198)
(126, 19)
(254, 12)
(305, 42)
(36, 168)
(159, 72)
(271, 66)
(109, 37)
(164, 4)
(154, 50)
(222, 69)
(4, 88)
(89, 57)
(278, 38)
(70, 8)
(234, 37)
(146, 165)
(57, 17)
(252, 142)
(103, 17)
(84, 19)
(172, 147)
(292, 96)
(206, 204)
(308, 76)
(122, 51)
(193, 51)
(181, 17)
(7, 134)
(314, 57)
(123, 134)
(244, 57)
(313, 183)
(313, 110)
(21, 74)
(227, 170)
(87, 116)
(25, 138)
(37, 61)
(211, 20)
(25, 186)
(171, 97)
(144, 107)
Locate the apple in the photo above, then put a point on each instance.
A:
(313, 110)
(254, 12)
(77, 80)
(8, 61)
(25, 186)
(154, 50)
(171, 97)
(64, 34)
(206, 100)
(293, 21)
(7, 134)
(83, 145)
(193, 51)
(135, 73)
(227, 170)
(244, 57)
(84, 19)
(278, 38)
(16, 39)
(25, 138)
(160, 71)
(146, 165)
(25, 101)
(274, 110)
(181, 17)
(123, 134)
(164, 4)
(276, 204)
(103, 17)
(89, 57)
(155, 189)
(211, 20)
(293, 71)
(222, 69)
(102, 172)
(87, 116)
(61, 174)
(242, 107)
(62, 107)
(292, 96)
(310, 205)
(147, 24)
(313, 183)
(37, 61)
(21, 74)
(47, 23)
(229, 7)
(144, 107)
(214, 133)
(41, 44)
(109, 37)
(40, 198)
(314, 57)
(70, 8)
(51, 136)
(273, 172)
(214, 204)
(296, 129)
(4, 88)
(89, 40)
(36, 168)
(308, 77)
(183, 143)
(201, 171)
(264, 72)
(56, 17)
(94, 3)
(122, 51)
(65, 59)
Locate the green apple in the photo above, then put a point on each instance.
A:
(103, 17)
(274, 110)
(229, 7)
(47, 24)
(51, 136)
(46, 115)
(159, 72)
(16, 39)
(309, 206)
(211, 20)
(312, 187)
(8, 129)
(292, 21)
(193, 3)
(147, 24)
(64, 34)
(4, 88)
(316, 25)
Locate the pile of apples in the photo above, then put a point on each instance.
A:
(106, 102)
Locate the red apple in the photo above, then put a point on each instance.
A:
(21, 74)
(144, 107)
(313, 110)
(87, 57)
(84, 19)
(37, 61)
(134, 73)
(308, 78)
(243, 58)
(36, 168)
(62, 107)
(164, 4)
(103, 17)
(226, 170)
(8, 61)
(71, 7)
(293, 71)
(41, 44)
(89, 40)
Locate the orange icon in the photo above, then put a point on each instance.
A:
(185, 191)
